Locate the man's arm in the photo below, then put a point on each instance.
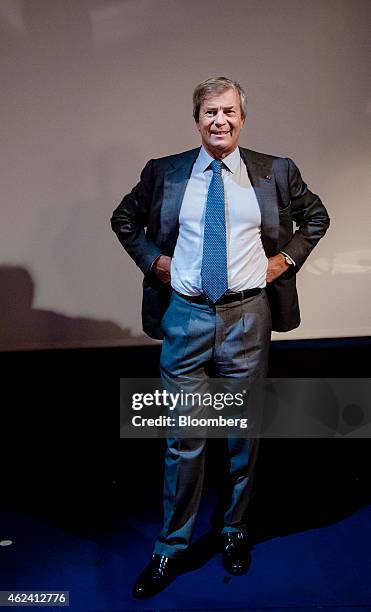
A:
(309, 214)
(312, 220)
(130, 219)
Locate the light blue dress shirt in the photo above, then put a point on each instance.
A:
(247, 262)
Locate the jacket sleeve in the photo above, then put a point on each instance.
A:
(130, 219)
(309, 214)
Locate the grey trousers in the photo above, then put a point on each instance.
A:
(235, 337)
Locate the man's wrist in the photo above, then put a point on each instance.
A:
(289, 260)
(153, 263)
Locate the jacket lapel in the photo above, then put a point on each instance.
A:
(175, 183)
(260, 171)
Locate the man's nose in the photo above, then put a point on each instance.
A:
(219, 118)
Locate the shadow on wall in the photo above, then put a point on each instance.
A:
(24, 327)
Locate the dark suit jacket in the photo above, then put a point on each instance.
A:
(147, 225)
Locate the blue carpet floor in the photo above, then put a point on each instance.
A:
(325, 568)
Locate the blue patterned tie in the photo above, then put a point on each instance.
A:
(214, 274)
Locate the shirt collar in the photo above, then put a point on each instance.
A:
(231, 162)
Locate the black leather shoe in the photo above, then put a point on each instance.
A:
(236, 553)
(155, 577)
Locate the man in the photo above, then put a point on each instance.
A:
(219, 258)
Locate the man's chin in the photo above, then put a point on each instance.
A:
(222, 147)
(222, 142)
(219, 148)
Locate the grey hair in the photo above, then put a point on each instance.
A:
(217, 85)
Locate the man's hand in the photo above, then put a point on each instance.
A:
(276, 266)
(161, 268)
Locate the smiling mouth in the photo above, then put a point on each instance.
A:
(221, 133)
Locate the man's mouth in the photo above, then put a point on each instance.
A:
(221, 133)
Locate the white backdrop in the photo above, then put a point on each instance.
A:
(92, 89)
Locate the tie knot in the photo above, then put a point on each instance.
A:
(216, 166)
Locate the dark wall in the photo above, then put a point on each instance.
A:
(62, 457)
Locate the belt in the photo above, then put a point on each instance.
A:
(225, 299)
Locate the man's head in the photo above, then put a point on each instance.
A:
(219, 109)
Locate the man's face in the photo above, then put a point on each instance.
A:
(220, 123)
